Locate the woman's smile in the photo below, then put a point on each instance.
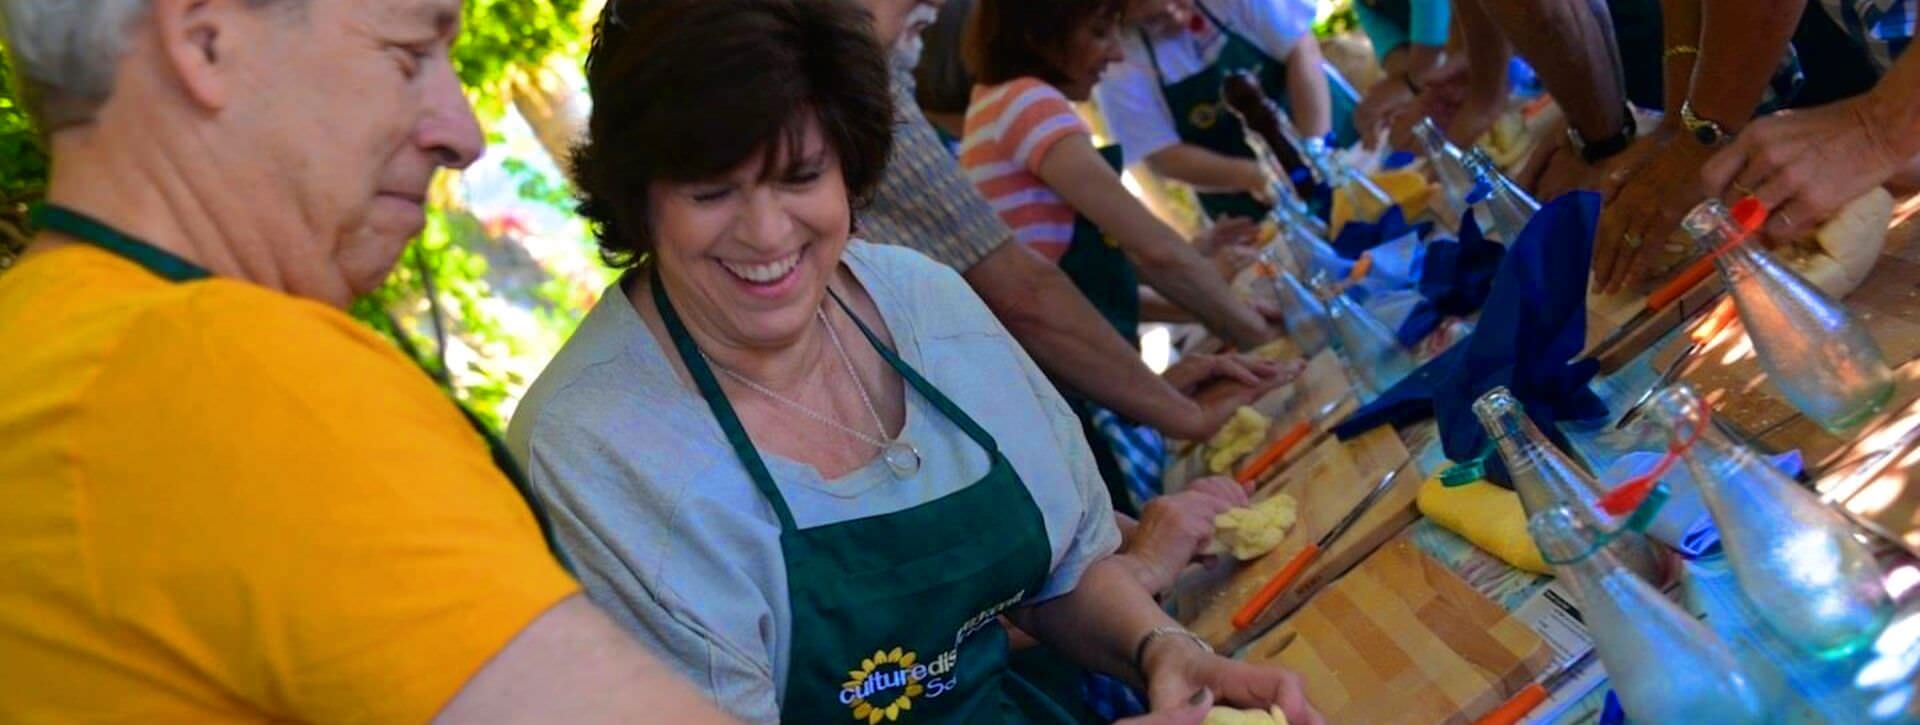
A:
(769, 279)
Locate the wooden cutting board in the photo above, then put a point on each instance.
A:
(1328, 481)
(1400, 639)
(1323, 386)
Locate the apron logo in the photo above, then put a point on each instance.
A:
(886, 684)
(1204, 116)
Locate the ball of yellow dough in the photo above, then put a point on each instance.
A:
(1234, 716)
(1237, 438)
(1251, 532)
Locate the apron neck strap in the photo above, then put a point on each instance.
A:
(54, 217)
(716, 398)
(927, 389)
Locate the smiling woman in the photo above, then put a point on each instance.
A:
(789, 457)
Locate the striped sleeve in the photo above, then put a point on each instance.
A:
(1037, 117)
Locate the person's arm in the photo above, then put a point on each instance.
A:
(1487, 54)
(1806, 165)
(1073, 169)
(1308, 97)
(573, 664)
(1741, 43)
(1570, 45)
(1207, 169)
(1069, 339)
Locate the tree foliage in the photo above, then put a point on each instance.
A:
(23, 167)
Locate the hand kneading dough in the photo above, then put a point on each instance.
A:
(1249, 533)
(1237, 438)
(1232, 716)
(1849, 243)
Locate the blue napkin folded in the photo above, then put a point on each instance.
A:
(1455, 278)
(1532, 326)
(1358, 237)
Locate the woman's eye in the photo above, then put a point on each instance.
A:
(804, 178)
(709, 196)
(410, 60)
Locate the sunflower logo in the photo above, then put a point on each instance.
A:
(887, 674)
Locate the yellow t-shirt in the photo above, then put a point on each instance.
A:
(222, 503)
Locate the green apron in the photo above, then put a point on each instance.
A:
(172, 268)
(895, 616)
(1200, 118)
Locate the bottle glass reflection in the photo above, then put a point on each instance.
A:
(1449, 166)
(1819, 355)
(1371, 350)
(1664, 665)
(1795, 557)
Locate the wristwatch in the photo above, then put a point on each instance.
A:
(1594, 152)
(1709, 133)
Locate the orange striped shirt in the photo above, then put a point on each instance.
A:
(1010, 127)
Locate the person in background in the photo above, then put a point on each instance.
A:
(942, 85)
(1162, 102)
(815, 471)
(924, 202)
(1033, 157)
(1464, 89)
(226, 499)
(1807, 164)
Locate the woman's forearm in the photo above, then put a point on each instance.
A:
(1894, 104)
(1307, 93)
(1100, 622)
(1200, 167)
(1680, 28)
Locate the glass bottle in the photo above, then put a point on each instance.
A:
(1309, 249)
(1664, 665)
(1817, 353)
(1545, 477)
(1370, 349)
(1302, 313)
(1795, 557)
(1507, 208)
(1367, 200)
(1449, 166)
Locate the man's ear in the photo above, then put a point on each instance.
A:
(197, 39)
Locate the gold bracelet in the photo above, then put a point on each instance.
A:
(1680, 50)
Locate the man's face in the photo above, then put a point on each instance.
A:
(352, 109)
(899, 24)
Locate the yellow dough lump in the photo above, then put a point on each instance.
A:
(1233, 716)
(1237, 438)
(1251, 532)
(1848, 245)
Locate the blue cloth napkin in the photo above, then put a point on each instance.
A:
(1358, 237)
(1398, 160)
(1532, 325)
(1455, 278)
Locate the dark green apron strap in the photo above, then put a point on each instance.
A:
(933, 395)
(717, 401)
(1224, 28)
(1152, 57)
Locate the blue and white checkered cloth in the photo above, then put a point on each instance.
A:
(1140, 451)
(1883, 28)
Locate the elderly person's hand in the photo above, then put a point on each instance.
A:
(1554, 167)
(1648, 191)
(1806, 165)
(1382, 104)
(1176, 669)
(1175, 530)
(1221, 384)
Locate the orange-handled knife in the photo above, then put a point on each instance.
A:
(1273, 453)
(1251, 611)
(1522, 703)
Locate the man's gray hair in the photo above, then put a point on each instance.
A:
(65, 52)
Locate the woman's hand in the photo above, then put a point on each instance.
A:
(1227, 233)
(1196, 371)
(1650, 200)
(1176, 529)
(1383, 102)
(1807, 165)
(1176, 669)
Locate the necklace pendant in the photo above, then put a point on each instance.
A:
(903, 458)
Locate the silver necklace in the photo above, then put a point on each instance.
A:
(899, 454)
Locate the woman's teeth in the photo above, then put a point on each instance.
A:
(763, 273)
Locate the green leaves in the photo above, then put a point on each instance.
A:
(23, 167)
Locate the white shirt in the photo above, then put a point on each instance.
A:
(1129, 94)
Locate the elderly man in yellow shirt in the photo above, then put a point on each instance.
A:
(224, 501)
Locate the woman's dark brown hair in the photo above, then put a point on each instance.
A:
(1008, 39)
(688, 90)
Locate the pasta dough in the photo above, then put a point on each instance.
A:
(1250, 532)
(1235, 716)
(1849, 243)
(1237, 438)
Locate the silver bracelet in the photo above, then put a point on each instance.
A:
(1140, 650)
